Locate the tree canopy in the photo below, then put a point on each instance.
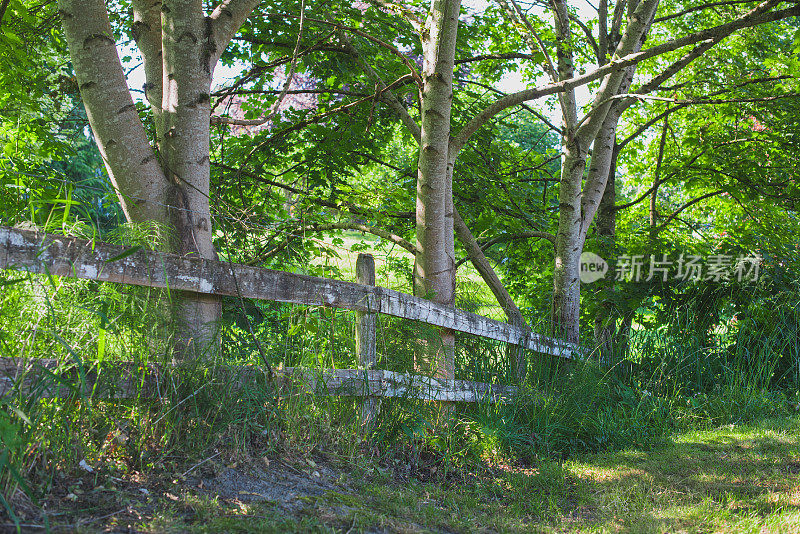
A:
(635, 127)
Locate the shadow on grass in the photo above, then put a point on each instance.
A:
(723, 480)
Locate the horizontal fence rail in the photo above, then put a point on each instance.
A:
(50, 378)
(79, 258)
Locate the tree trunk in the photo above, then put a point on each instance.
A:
(577, 205)
(186, 109)
(606, 225)
(600, 199)
(146, 32)
(569, 244)
(130, 160)
(434, 269)
(180, 47)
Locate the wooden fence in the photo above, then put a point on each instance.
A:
(79, 258)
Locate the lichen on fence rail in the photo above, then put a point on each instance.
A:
(51, 378)
(80, 258)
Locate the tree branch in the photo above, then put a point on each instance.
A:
(412, 18)
(566, 66)
(324, 91)
(257, 70)
(652, 188)
(261, 179)
(483, 57)
(146, 32)
(524, 106)
(662, 144)
(676, 67)
(644, 127)
(292, 66)
(589, 38)
(383, 234)
(516, 14)
(379, 161)
(685, 206)
(297, 126)
(385, 91)
(355, 31)
(702, 7)
(297, 233)
(513, 99)
(489, 276)
(519, 235)
(602, 31)
(630, 43)
(121, 138)
(616, 23)
(487, 244)
(348, 207)
(3, 8)
(225, 21)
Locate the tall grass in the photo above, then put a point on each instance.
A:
(674, 377)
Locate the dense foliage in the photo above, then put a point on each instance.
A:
(310, 165)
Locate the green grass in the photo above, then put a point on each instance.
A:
(520, 467)
(732, 479)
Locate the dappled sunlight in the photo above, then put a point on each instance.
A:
(361, 284)
(600, 474)
(728, 480)
(791, 498)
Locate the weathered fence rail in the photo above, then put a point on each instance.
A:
(50, 378)
(79, 258)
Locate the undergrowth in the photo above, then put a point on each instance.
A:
(673, 379)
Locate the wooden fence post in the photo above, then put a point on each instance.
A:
(516, 355)
(366, 339)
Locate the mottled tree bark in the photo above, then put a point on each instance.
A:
(578, 203)
(186, 111)
(130, 160)
(569, 244)
(606, 226)
(180, 47)
(434, 269)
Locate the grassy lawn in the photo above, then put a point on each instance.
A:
(730, 479)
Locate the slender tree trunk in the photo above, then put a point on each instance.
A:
(599, 199)
(569, 244)
(657, 181)
(577, 204)
(146, 32)
(606, 225)
(130, 160)
(623, 336)
(434, 270)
